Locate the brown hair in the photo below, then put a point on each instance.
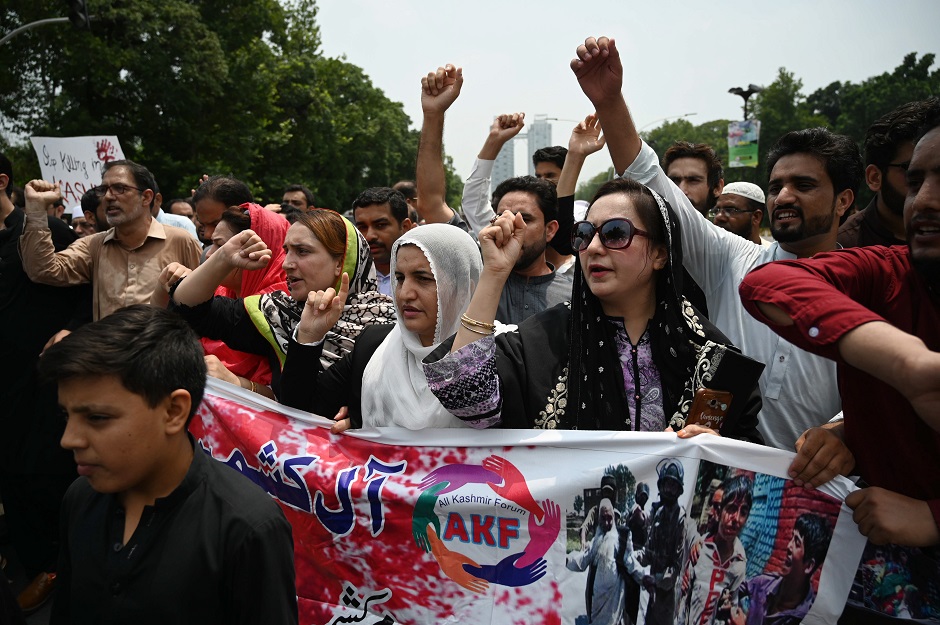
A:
(329, 229)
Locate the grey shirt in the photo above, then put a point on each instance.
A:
(523, 297)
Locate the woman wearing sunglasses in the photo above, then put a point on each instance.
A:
(627, 353)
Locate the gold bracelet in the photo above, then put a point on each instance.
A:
(253, 388)
(475, 331)
(478, 324)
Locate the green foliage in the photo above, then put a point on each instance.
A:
(586, 190)
(578, 504)
(208, 86)
(780, 107)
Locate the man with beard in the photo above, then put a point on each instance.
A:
(533, 284)
(889, 144)
(123, 263)
(663, 550)
(611, 559)
(813, 180)
(876, 312)
(697, 171)
(740, 209)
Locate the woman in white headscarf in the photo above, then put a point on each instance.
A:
(435, 269)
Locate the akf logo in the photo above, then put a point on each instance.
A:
(483, 526)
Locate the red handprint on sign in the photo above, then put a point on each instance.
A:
(105, 151)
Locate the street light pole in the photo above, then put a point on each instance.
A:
(746, 94)
(32, 25)
(663, 119)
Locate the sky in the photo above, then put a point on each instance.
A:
(679, 57)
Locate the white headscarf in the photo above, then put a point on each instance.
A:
(394, 389)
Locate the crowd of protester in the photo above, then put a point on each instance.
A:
(520, 311)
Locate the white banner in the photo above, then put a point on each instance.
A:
(507, 526)
(75, 163)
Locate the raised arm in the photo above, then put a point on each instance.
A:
(476, 189)
(893, 356)
(438, 91)
(829, 306)
(585, 140)
(600, 73)
(245, 250)
(501, 244)
(40, 260)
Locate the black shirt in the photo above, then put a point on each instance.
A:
(216, 550)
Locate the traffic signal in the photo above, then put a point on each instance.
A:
(78, 14)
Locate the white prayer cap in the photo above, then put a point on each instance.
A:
(746, 189)
(77, 212)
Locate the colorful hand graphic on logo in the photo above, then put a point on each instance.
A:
(458, 475)
(519, 569)
(541, 535)
(505, 572)
(424, 516)
(452, 565)
(513, 487)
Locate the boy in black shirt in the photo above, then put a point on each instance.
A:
(155, 531)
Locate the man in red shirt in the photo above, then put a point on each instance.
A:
(876, 312)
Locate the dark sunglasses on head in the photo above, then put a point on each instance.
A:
(616, 234)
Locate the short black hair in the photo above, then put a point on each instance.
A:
(152, 351)
(141, 175)
(545, 195)
(308, 194)
(838, 153)
(180, 200)
(383, 195)
(408, 188)
(6, 167)
(90, 202)
(737, 488)
(931, 122)
(225, 189)
(816, 536)
(553, 154)
(19, 198)
(701, 151)
(889, 131)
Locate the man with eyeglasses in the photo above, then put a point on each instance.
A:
(740, 209)
(889, 144)
(123, 263)
(814, 175)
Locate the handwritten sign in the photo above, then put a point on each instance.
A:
(75, 163)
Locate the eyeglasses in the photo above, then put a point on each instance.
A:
(616, 234)
(903, 165)
(729, 211)
(116, 189)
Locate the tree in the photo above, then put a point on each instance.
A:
(586, 190)
(781, 108)
(578, 504)
(626, 484)
(189, 87)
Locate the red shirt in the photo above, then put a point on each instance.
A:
(833, 293)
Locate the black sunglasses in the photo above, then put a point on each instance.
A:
(616, 234)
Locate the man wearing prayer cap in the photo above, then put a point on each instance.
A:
(740, 209)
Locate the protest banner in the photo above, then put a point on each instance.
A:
(76, 163)
(396, 526)
(743, 138)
